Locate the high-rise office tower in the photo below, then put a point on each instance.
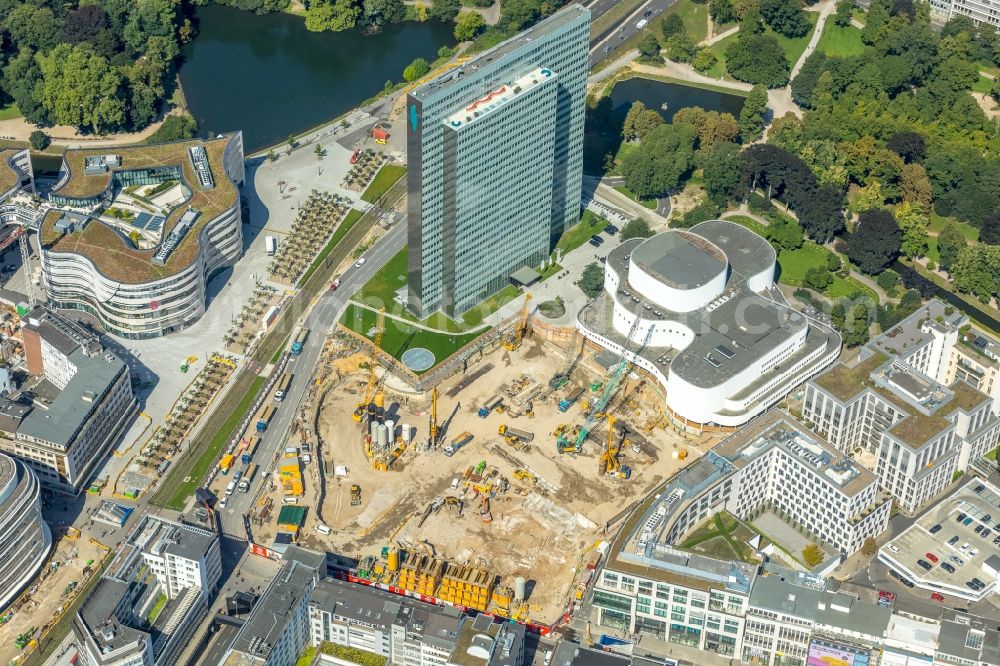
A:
(495, 156)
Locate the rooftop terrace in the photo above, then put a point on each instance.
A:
(8, 175)
(498, 97)
(112, 254)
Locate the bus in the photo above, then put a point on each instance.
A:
(282, 389)
(248, 478)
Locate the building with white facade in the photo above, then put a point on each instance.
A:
(81, 400)
(980, 11)
(134, 233)
(888, 405)
(25, 538)
(15, 173)
(975, 360)
(794, 619)
(148, 603)
(697, 309)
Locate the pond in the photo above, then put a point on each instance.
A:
(270, 77)
(655, 94)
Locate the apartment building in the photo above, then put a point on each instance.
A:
(975, 360)
(81, 400)
(793, 619)
(25, 538)
(147, 605)
(495, 163)
(888, 407)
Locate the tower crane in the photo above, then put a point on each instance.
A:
(573, 353)
(20, 235)
(362, 406)
(521, 329)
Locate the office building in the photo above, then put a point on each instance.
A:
(147, 605)
(777, 463)
(887, 407)
(278, 628)
(25, 539)
(81, 402)
(980, 11)
(495, 163)
(966, 640)
(134, 234)
(793, 619)
(697, 309)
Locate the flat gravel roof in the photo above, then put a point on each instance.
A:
(680, 259)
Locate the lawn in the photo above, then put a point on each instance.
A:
(695, 17)
(647, 203)
(349, 221)
(938, 223)
(982, 85)
(751, 224)
(383, 180)
(723, 537)
(992, 455)
(9, 112)
(573, 238)
(380, 291)
(157, 608)
(184, 478)
(398, 336)
(793, 264)
(840, 41)
(474, 317)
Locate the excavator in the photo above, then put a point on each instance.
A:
(362, 406)
(521, 329)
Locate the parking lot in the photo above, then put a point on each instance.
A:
(953, 549)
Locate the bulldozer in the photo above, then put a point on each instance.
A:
(525, 475)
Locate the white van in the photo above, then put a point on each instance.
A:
(289, 499)
(322, 529)
(231, 487)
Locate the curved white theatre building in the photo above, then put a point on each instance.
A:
(136, 232)
(25, 539)
(698, 310)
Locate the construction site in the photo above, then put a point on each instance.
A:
(494, 490)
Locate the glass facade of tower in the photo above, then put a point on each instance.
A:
(474, 208)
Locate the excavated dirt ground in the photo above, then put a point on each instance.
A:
(542, 531)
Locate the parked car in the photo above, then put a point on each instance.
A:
(597, 239)
(960, 517)
(932, 557)
(935, 529)
(980, 488)
(893, 547)
(979, 529)
(924, 564)
(996, 541)
(957, 560)
(947, 567)
(952, 541)
(936, 596)
(594, 243)
(967, 522)
(986, 533)
(965, 547)
(223, 502)
(973, 552)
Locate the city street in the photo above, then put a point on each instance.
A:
(605, 45)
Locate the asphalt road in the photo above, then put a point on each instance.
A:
(320, 320)
(605, 45)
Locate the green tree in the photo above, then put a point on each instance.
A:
(989, 232)
(21, 77)
(145, 81)
(995, 90)
(812, 555)
(649, 49)
(887, 280)
(381, 12)
(704, 59)
(818, 278)
(636, 228)
(39, 140)
(659, 162)
(833, 262)
(875, 242)
(468, 25)
(786, 234)
(416, 69)
(680, 48)
(785, 17)
(950, 243)
(444, 10)
(912, 220)
(640, 121)
(175, 127)
(856, 326)
(32, 27)
(722, 11)
(721, 170)
(871, 197)
(672, 24)
(592, 280)
(757, 59)
(914, 186)
(845, 12)
(335, 16)
(79, 88)
(977, 271)
(712, 126)
(752, 114)
(870, 546)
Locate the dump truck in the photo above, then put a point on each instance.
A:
(523, 435)
(226, 463)
(282, 389)
(299, 341)
(264, 418)
(489, 406)
(457, 443)
(570, 399)
(251, 448)
(355, 494)
(247, 478)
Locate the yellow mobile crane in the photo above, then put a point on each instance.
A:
(521, 330)
(362, 406)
